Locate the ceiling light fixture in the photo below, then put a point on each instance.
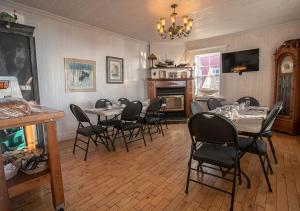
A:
(174, 30)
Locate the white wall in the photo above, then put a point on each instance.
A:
(257, 84)
(172, 50)
(57, 37)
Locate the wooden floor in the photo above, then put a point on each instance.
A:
(153, 178)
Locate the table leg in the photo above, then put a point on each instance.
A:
(4, 199)
(54, 164)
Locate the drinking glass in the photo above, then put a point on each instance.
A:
(242, 106)
(247, 103)
(218, 110)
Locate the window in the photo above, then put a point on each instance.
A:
(207, 73)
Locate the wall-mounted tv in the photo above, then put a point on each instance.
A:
(240, 61)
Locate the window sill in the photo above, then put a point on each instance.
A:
(206, 97)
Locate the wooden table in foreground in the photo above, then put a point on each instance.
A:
(22, 182)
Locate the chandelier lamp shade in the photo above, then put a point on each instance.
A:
(174, 30)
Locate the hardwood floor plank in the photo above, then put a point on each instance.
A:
(154, 178)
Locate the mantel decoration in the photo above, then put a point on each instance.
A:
(114, 70)
(174, 30)
(152, 57)
(80, 75)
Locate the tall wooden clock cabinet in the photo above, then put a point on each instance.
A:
(287, 86)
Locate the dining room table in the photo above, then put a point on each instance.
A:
(246, 119)
(114, 110)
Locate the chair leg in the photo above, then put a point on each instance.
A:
(113, 141)
(157, 127)
(87, 148)
(137, 132)
(75, 142)
(124, 138)
(199, 167)
(108, 140)
(233, 188)
(265, 173)
(166, 123)
(142, 131)
(162, 131)
(95, 141)
(149, 131)
(269, 164)
(272, 148)
(105, 142)
(131, 134)
(188, 175)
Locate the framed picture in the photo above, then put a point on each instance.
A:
(80, 75)
(114, 70)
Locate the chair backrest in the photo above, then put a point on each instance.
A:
(101, 103)
(132, 111)
(154, 105)
(213, 103)
(79, 114)
(212, 128)
(123, 100)
(252, 100)
(196, 107)
(268, 122)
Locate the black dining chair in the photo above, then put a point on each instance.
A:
(214, 142)
(267, 133)
(196, 107)
(102, 103)
(86, 129)
(151, 118)
(123, 100)
(130, 120)
(162, 114)
(213, 103)
(252, 100)
(253, 143)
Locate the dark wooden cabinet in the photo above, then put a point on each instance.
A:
(18, 58)
(287, 86)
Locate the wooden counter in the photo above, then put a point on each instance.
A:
(22, 182)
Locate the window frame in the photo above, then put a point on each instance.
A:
(197, 71)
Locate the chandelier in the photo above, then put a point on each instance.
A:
(174, 30)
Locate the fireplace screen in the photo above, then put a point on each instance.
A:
(174, 102)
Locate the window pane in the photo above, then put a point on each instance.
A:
(207, 73)
(204, 70)
(204, 61)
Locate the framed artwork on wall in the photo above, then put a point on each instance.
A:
(80, 75)
(114, 70)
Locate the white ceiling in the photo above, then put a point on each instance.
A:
(137, 18)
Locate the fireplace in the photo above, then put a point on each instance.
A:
(174, 102)
(173, 98)
(177, 94)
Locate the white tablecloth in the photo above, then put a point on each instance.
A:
(249, 121)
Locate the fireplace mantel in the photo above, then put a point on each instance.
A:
(185, 83)
(170, 79)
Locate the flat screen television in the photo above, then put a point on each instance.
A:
(240, 61)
